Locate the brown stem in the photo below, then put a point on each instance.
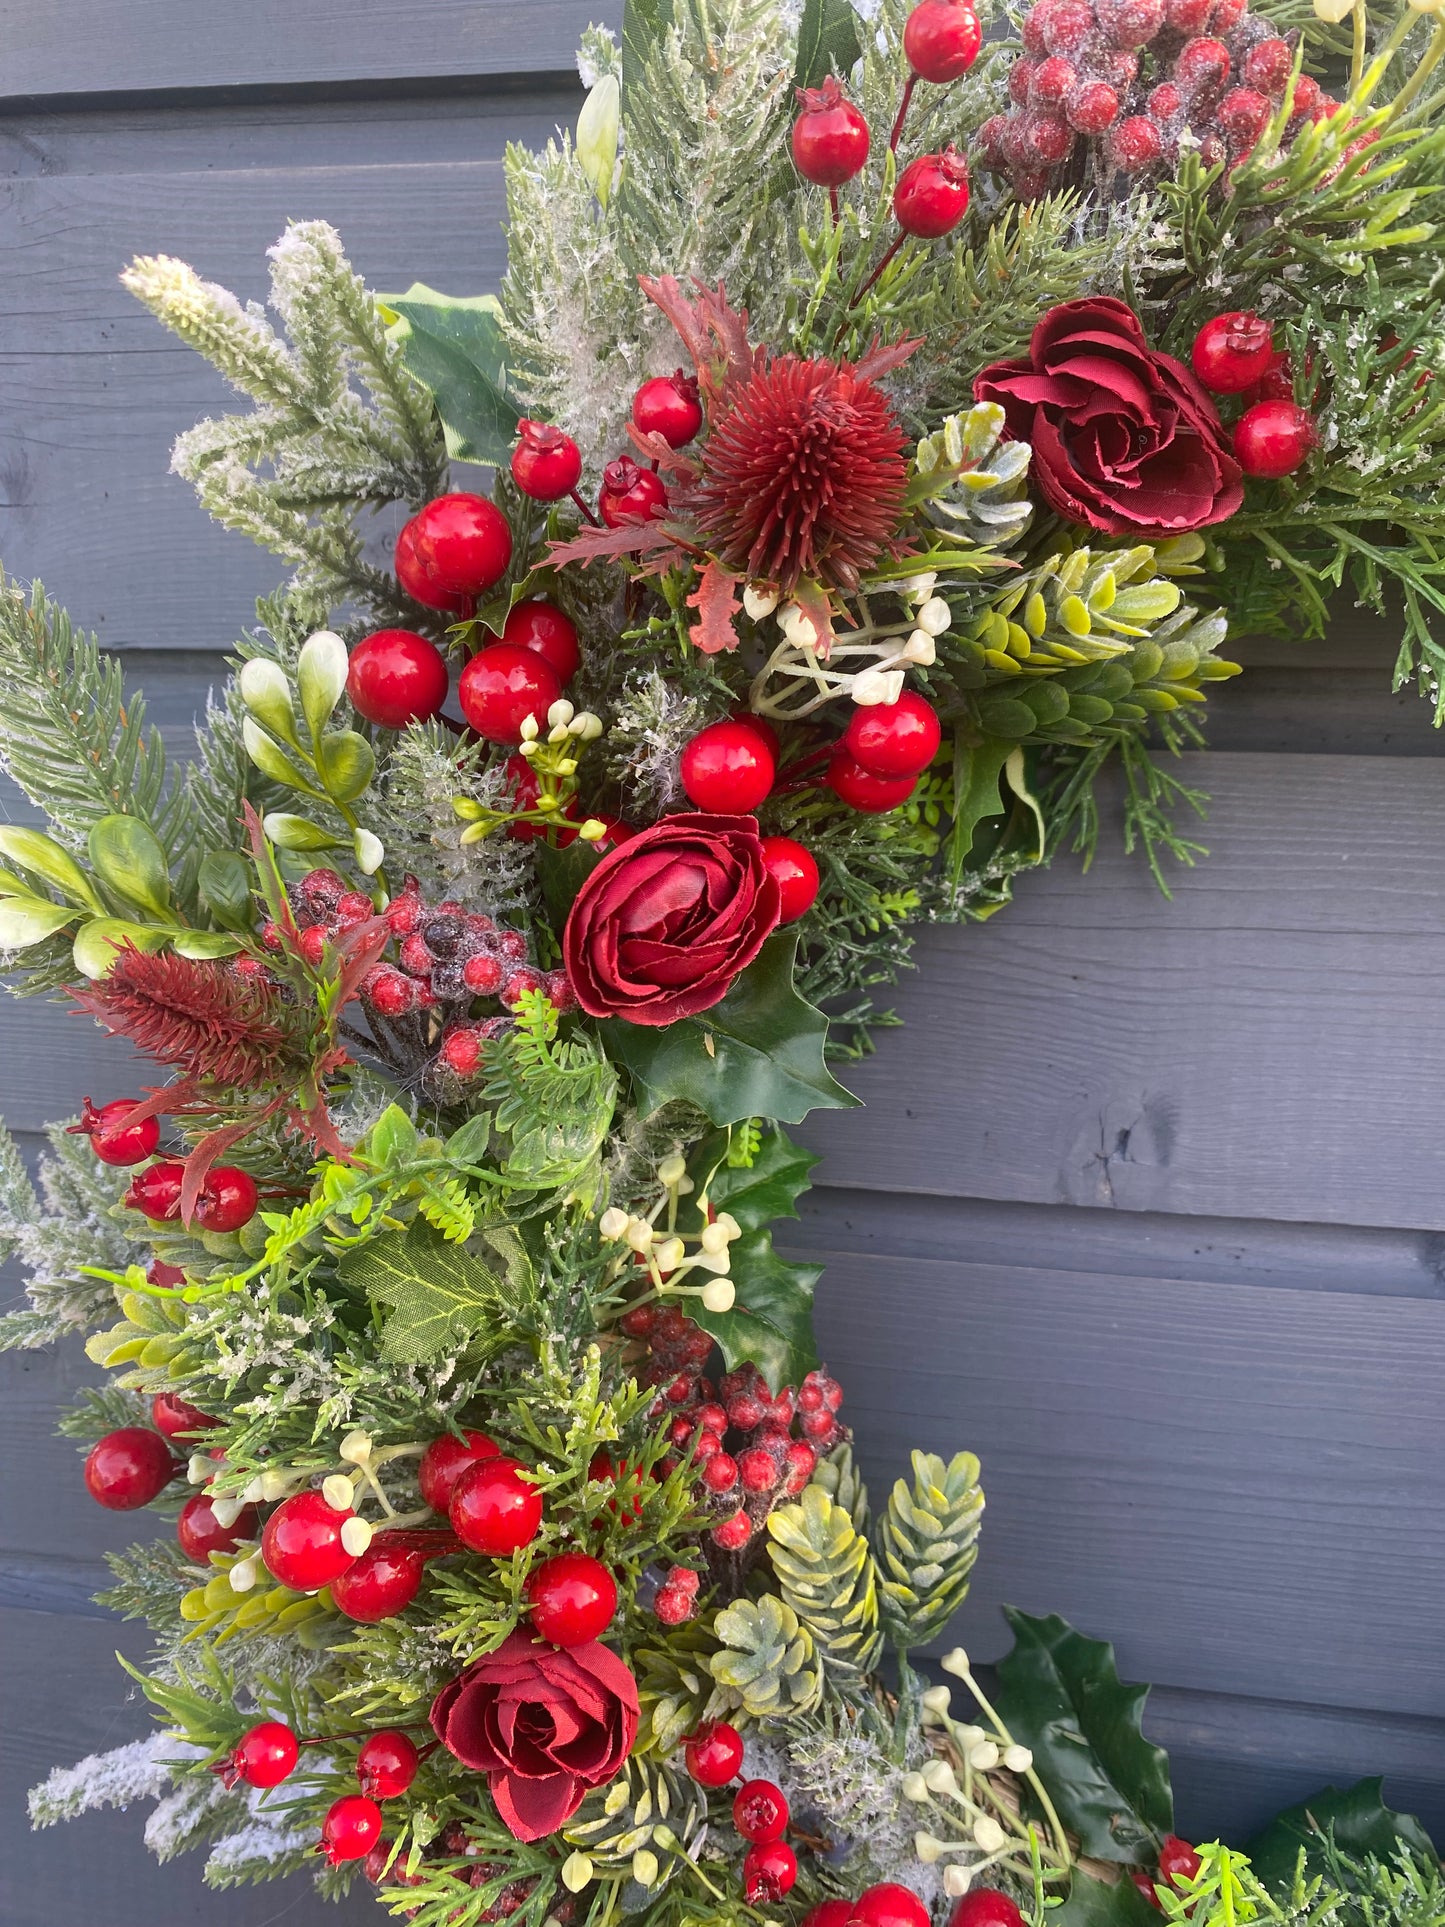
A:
(833, 203)
(582, 506)
(896, 244)
(903, 104)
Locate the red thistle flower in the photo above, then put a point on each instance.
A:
(803, 474)
(199, 1017)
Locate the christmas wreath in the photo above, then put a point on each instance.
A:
(889, 427)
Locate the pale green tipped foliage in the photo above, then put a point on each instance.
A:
(72, 1224)
(927, 1545)
(839, 1477)
(827, 1577)
(769, 1662)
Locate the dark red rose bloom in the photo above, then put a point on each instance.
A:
(544, 1724)
(664, 924)
(1124, 438)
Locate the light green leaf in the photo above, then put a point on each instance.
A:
(28, 920)
(271, 759)
(644, 22)
(442, 1296)
(759, 1053)
(321, 677)
(225, 883)
(290, 832)
(393, 1137)
(347, 762)
(1016, 776)
(45, 858)
(127, 857)
(453, 345)
(468, 1144)
(207, 943)
(95, 944)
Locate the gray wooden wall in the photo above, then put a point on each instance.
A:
(1147, 1205)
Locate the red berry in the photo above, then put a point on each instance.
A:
(828, 1913)
(416, 959)
(714, 1753)
(1067, 25)
(201, 1533)
(174, 1417)
(1047, 139)
(760, 1811)
(388, 991)
(629, 494)
(546, 464)
(483, 974)
(861, 790)
(461, 543)
(396, 677)
(941, 39)
(157, 1191)
(889, 1905)
(673, 1606)
(111, 1138)
(1307, 96)
(669, 406)
(301, 1545)
(720, 1474)
(795, 871)
(727, 768)
(758, 1470)
(800, 1462)
(894, 739)
(418, 584)
(502, 686)
(1135, 144)
(382, 1582)
(354, 909)
(445, 1460)
(542, 626)
(1273, 438)
(769, 1872)
(986, 1907)
(1146, 1887)
(1021, 81)
(512, 944)
(1054, 79)
(1232, 352)
(1225, 16)
(1130, 23)
(572, 1598)
(228, 1199)
(1178, 1861)
(461, 1050)
(1187, 17)
(733, 1533)
(931, 197)
(1277, 381)
(1242, 115)
(1092, 108)
(264, 1756)
(386, 1765)
(1201, 70)
(1267, 67)
(350, 1830)
(1165, 103)
(494, 1509)
(129, 1468)
(627, 1507)
(830, 136)
(312, 944)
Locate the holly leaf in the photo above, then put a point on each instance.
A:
(1357, 1819)
(771, 1322)
(769, 1188)
(644, 22)
(1097, 1903)
(441, 1295)
(758, 1053)
(453, 345)
(1061, 1696)
(561, 874)
(827, 41)
(977, 768)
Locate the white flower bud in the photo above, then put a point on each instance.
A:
(587, 726)
(356, 1536)
(927, 1848)
(355, 1448)
(872, 687)
(242, 1575)
(338, 1492)
(672, 1171)
(530, 731)
(983, 1758)
(200, 1466)
(561, 712)
(728, 1225)
(956, 1882)
(760, 599)
(798, 626)
(920, 648)
(559, 733)
(955, 1662)
(1332, 12)
(613, 1224)
(934, 617)
(528, 746)
(939, 1776)
(593, 830)
(719, 1294)
(576, 1872)
(937, 1699)
(988, 1833)
(1017, 1759)
(966, 1738)
(266, 691)
(669, 1254)
(369, 850)
(274, 1485)
(639, 1234)
(321, 671)
(253, 1490)
(714, 1238)
(227, 1511)
(915, 1788)
(917, 588)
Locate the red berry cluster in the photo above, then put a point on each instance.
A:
(1234, 354)
(1125, 81)
(227, 1200)
(1178, 1862)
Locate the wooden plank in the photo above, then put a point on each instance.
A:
(1230, 1482)
(80, 48)
(1260, 1047)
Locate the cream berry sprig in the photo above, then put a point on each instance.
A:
(669, 1255)
(543, 775)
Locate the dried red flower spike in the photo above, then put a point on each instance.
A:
(198, 1016)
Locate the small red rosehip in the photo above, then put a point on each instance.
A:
(1273, 439)
(200, 1533)
(128, 1468)
(828, 1913)
(228, 1199)
(760, 1811)
(350, 1830)
(176, 1418)
(794, 869)
(111, 1138)
(1232, 352)
(546, 464)
(861, 790)
(714, 1753)
(461, 543)
(445, 1460)
(502, 686)
(494, 1509)
(543, 626)
(931, 197)
(571, 1598)
(830, 135)
(727, 768)
(941, 39)
(629, 493)
(301, 1545)
(669, 406)
(1177, 1860)
(396, 677)
(986, 1907)
(156, 1191)
(889, 1905)
(386, 1765)
(894, 739)
(262, 1757)
(382, 1582)
(769, 1872)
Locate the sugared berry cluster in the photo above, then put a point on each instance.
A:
(1127, 83)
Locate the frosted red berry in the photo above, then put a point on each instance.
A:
(546, 464)
(828, 1913)
(157, 1191)
(986, 1907)
(760, 1811)
(1092, 108)
(200, 1533)
(769, 1872)
(1047, 139)
(176, 1418)
(1201, 71)
(1177, 1860)
(1267, 66)
(445, 1460)
(669, 406)
(1135, 144)
(1273, 439)
(128, 1468)
(1165, 103)
(1187, 17)
(889, 1905)
(112, 1138)
(1066, 27)
(714, 1753)
(483, 974)
(350, 1830)
(228, 1199)
(931, 197)
(941, 39)
(727, 768)
(895, 739)
(732, 1533)
(1242, 116)
(1130, 23)
(1307, 97)
(861, 790)
(382, 1582)
(830, 135)
(720, 1474)
(630, 493)
(1232, 352)
(389, 991)
(1053, 81)
(494, 1509)
(758, 1470)
(544, 627)
(301, 1544)
(461, 1050)
(1021, 81)
(794, 869)
(502, 686)
(1225, 16)
(387, 1764)
(461, 544)
(262, 1757)
(571, 1599)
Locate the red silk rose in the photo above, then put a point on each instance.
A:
(1124, 438)
(545, 1725)
(665, 922)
